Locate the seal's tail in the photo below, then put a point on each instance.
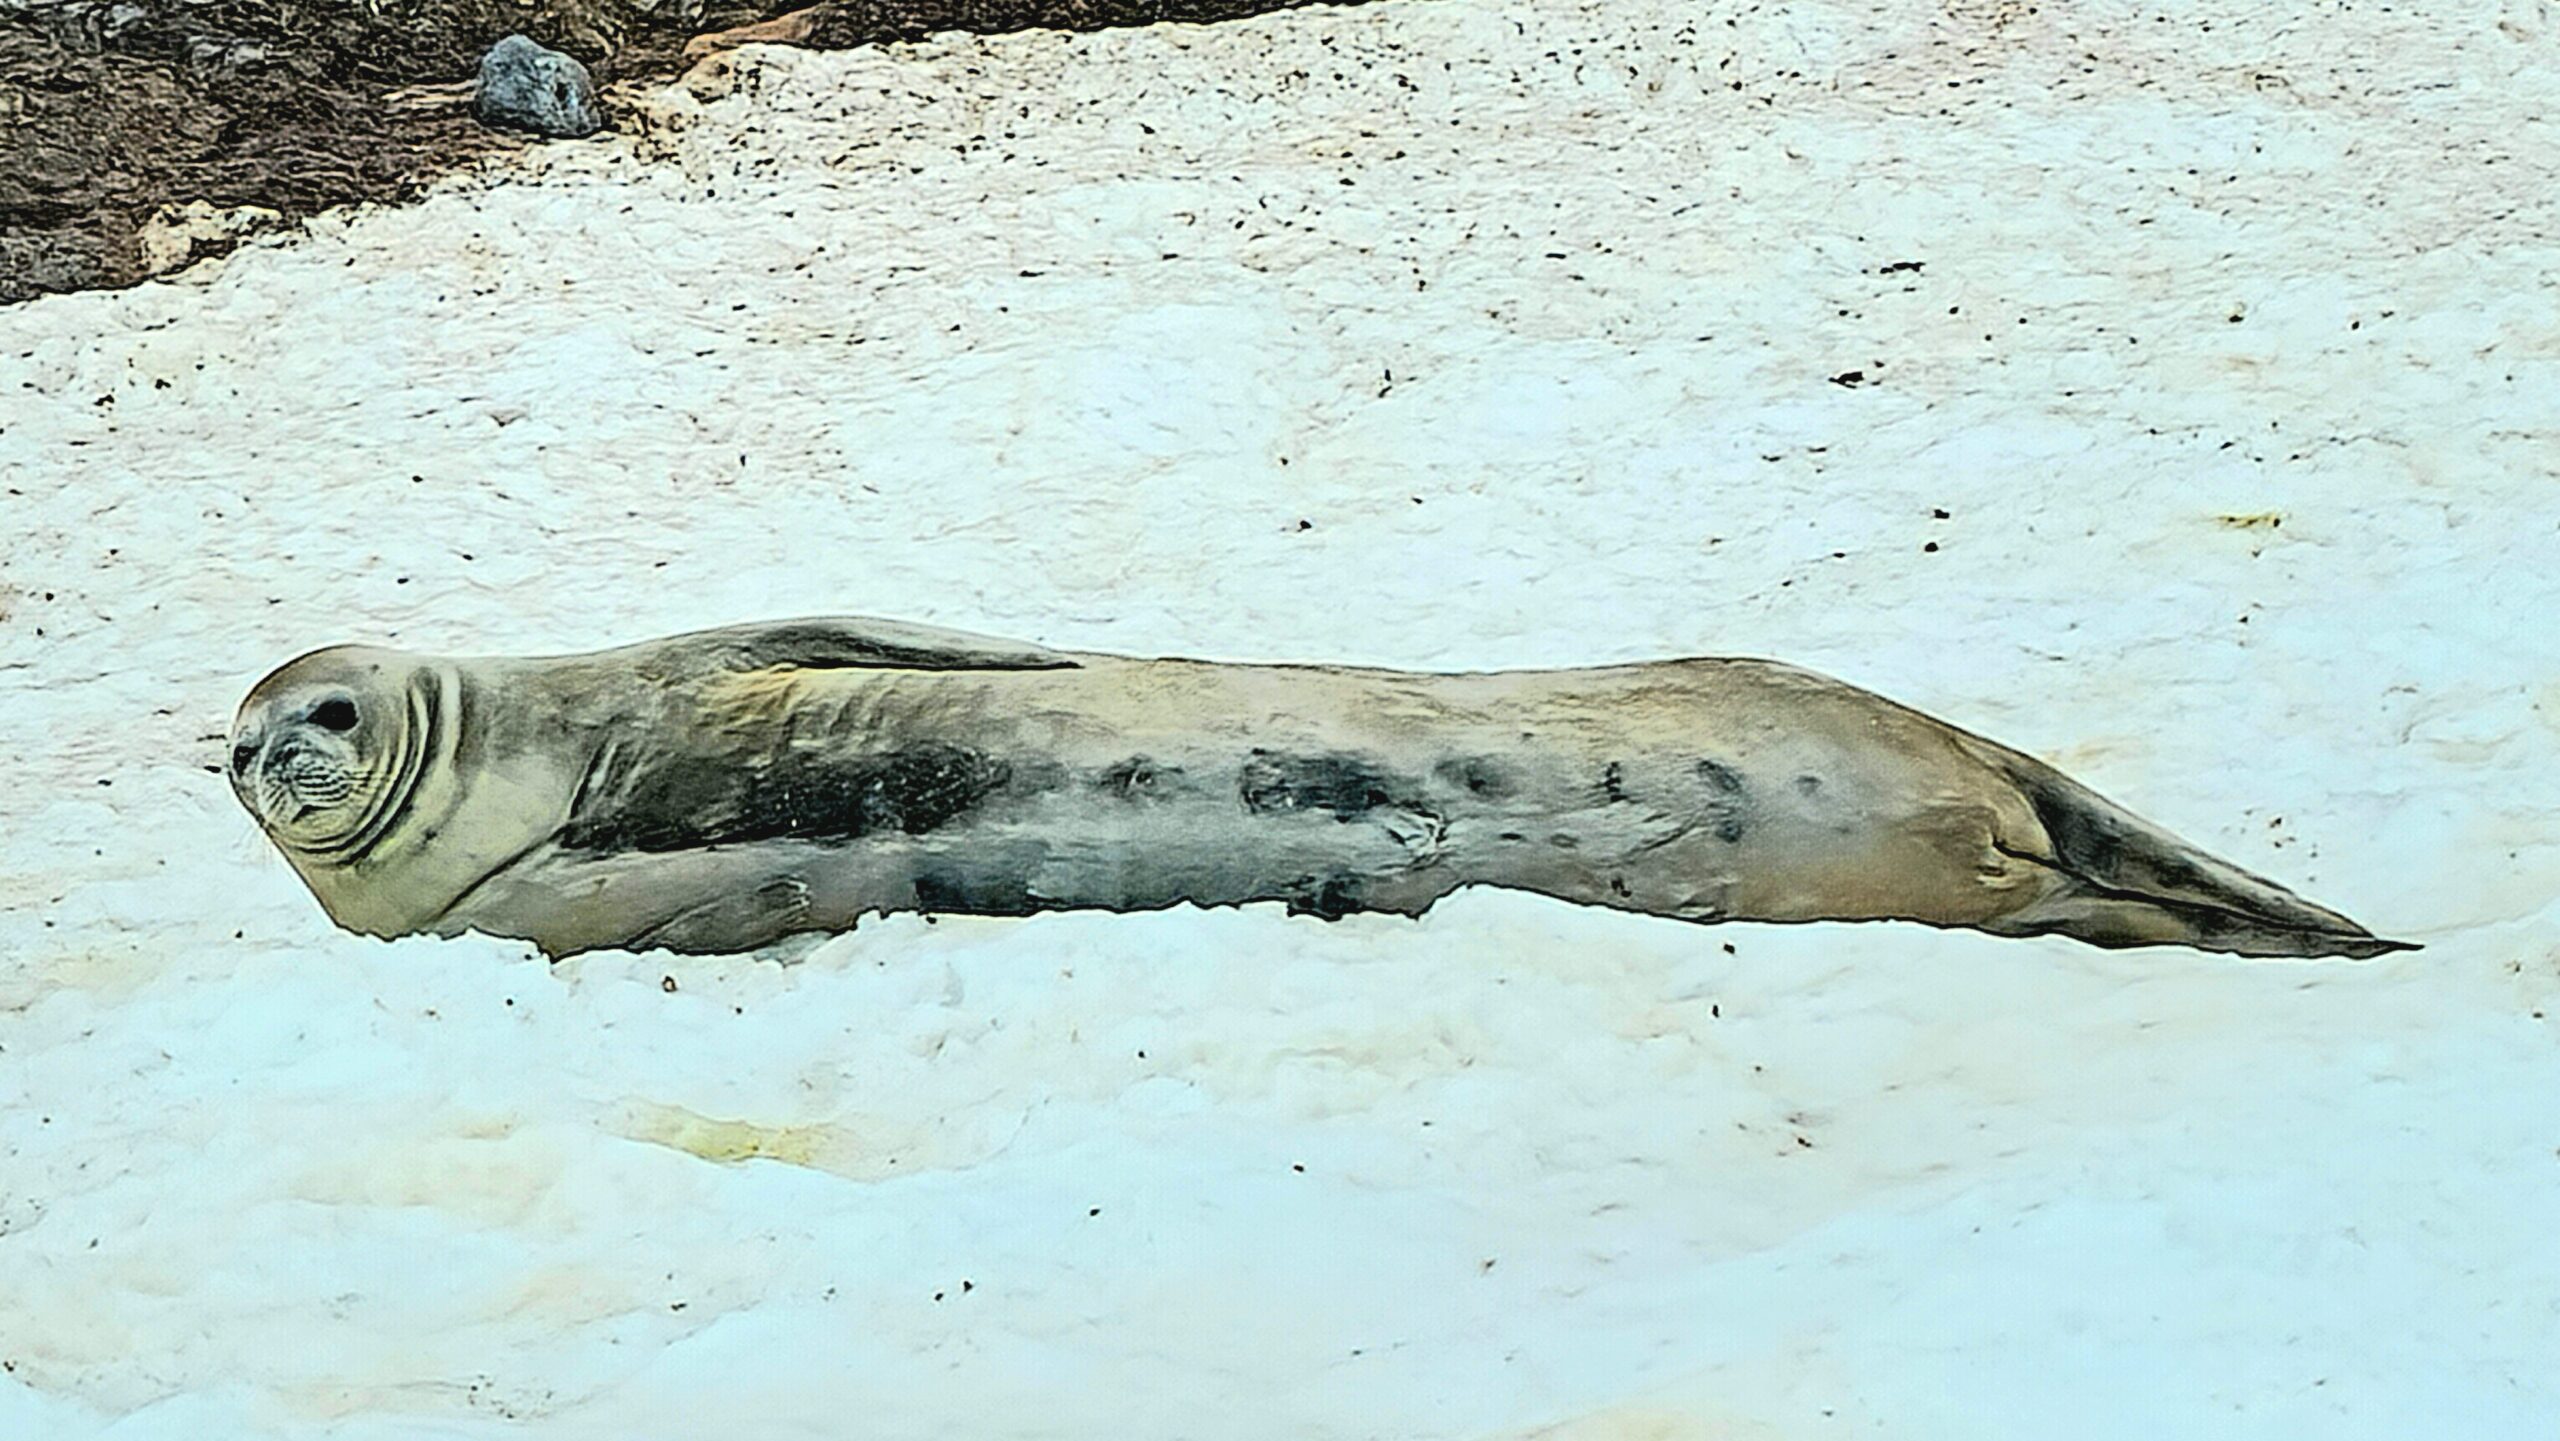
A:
(2128, 882)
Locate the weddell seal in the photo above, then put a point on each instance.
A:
(718, 790)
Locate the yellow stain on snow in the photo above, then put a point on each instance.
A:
(490, 1173)
(860, 1148)
(820, 1146)
(105, 975)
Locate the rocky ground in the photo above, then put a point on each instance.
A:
(136, 137)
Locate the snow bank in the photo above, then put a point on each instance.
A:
(1422, 334)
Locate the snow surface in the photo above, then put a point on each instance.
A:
(1444, 335)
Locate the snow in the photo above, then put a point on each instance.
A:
(1425, 334)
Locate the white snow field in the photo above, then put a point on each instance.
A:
(2174, 393)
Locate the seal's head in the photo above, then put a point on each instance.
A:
(326, 750)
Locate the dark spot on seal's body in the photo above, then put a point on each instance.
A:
(681, 803)
(2083, 841)
(1477, 776)
(1807, 785)
(1329, 899)
(1342, 786)
(1720, 777)
(1613, 782)
(1036, 774)
(1139, 779)
(2099, 848)
(1726, 806)
(957, 892)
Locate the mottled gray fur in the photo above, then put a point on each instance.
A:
(719, 790)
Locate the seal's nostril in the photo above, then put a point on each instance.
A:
(241, 755)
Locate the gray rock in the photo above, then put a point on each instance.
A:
(525, 87)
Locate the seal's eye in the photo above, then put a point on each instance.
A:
(336, 715)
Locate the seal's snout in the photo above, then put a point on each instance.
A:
(321, 754)
(312, 775)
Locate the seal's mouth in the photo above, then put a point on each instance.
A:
(294, 779)
(320, 780)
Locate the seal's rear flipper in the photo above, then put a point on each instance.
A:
(2127, 882)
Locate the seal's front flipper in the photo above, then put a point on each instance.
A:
(2127, 882)
(732, 923)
